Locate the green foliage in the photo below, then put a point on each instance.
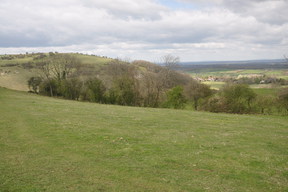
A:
(237, 98)
(71, 88)
(125, 90)
(233, 98)
(265, 104)
(34, 83)
(175, 98)
(283, 98)
(195, 91)
(50, 87)
(94, 91)
(145, 84)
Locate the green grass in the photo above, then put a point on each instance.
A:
(215, 84)
(88, 59)
(267, 91)
(49, 144)
(16, 61)
(244, 72)
(17, 78)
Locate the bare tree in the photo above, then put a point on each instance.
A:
(170, 61)
(57, 68)
(152, 89)
(62, 65)
(286, 58)
(47, 74)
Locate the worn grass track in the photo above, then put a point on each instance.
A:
(49, 144)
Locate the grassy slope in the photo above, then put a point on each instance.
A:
(50, 144)
(18, 76)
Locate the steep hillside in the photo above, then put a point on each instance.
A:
(49, 144)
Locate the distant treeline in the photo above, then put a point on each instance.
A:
(218, 67)
(144, 84)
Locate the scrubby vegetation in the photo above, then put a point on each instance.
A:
(141, 83)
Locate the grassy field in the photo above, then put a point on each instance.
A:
(243, 72)
(215, 85)
(49, 144)
(88, 59)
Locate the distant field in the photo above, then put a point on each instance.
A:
(283, 73)
(15, 61)
(260, 89)
(49, 144)
(215, 85)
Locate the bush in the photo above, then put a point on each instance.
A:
(71, 88)
(49, 87)
(233, 98)
(175, 98)
(34, 83)
(94, 91)
(125, 91)
(195, 91)
(283, 99)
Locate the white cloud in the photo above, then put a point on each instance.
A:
(146, 29)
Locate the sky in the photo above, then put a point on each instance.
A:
(193, 30)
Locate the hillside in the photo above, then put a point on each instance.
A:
(141, 83)
(15, 70)
(49, 144)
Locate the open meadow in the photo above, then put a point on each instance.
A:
(49, 144)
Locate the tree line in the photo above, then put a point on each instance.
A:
(145, 84)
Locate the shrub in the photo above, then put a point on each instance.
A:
(94, 91)
(71, 88)
(34, 83)
(283, 99)
(175, 98)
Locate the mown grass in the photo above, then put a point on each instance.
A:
(51, 144)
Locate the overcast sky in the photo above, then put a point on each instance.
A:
(194, 30)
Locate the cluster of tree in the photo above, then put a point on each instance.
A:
(240, 98)
(261, 80)
(135, 84)
(141, 83)
(7, 57)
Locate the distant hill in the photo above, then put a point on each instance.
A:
(249, 64)
(264, 62)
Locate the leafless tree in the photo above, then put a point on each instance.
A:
(62, 65)
(57, 67)
(171, 62)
